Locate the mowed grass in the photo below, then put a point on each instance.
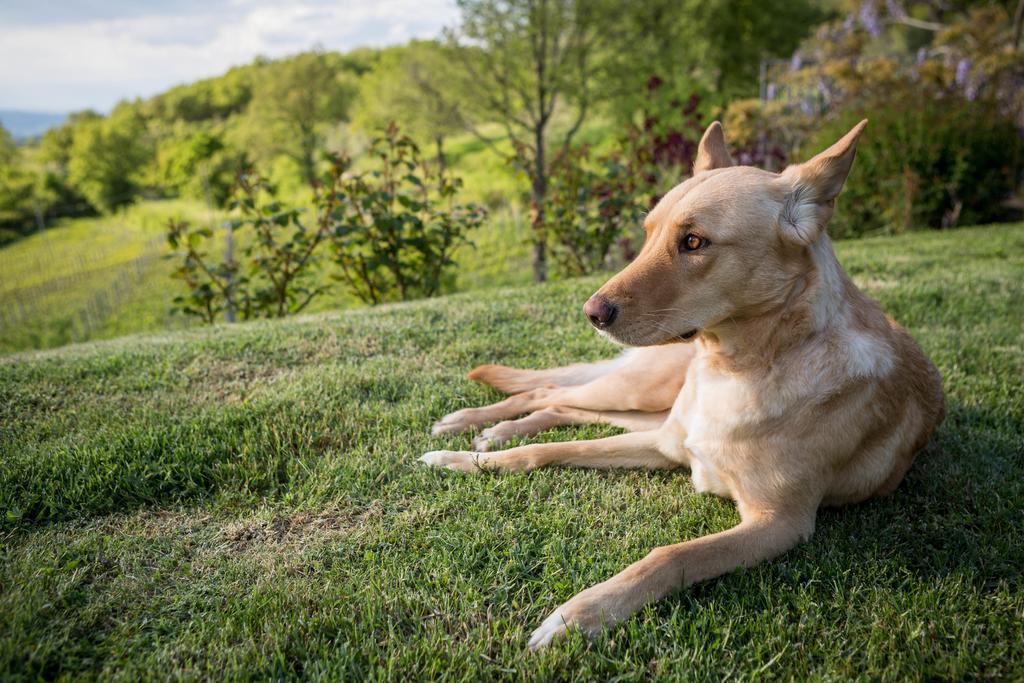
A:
(245, 502)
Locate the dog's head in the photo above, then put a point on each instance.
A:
(729, 242)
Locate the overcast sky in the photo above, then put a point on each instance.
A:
(64, 55)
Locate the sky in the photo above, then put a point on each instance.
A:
(67, 55)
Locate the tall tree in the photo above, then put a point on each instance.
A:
(528, 65)
(108, 156)
(295, 101)
(406, 87)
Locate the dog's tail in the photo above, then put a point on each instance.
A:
(516, 381)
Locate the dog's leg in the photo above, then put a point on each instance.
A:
(557, 416)
(759, 537)
(526, 402)
(516, 381)
(635, 450)
(617, 391)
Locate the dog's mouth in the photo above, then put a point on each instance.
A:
(632, 337)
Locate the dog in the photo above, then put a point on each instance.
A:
(758, 365)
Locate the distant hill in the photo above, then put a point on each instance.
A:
(25, 125)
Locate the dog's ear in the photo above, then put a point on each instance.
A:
(711, 152)
(811, 188)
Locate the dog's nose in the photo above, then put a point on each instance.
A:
(600, 311)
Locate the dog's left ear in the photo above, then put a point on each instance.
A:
(712, 152)
(812, 187)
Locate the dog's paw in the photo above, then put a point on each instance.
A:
(589, 612)
(551, 628)
(452, 423)
(488, 439)
(462, 461)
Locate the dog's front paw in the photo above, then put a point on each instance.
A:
(586, 613)
(489, 438)
(553, 627)
(453, 423)
(462, 461)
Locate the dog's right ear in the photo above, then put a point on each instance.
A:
(712, 152)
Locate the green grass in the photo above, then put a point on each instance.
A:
(244, 502)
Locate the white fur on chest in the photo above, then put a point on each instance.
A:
(699, 430)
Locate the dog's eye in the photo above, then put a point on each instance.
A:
(692, 242)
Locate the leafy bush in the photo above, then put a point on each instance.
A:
(924, 165)
(942, 148)
(595, 204)
(591, 209)
(392, 230)
(279, 253)
(396, 226)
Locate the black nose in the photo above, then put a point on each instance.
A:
(600, 311)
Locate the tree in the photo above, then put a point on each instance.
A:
(403, 87)
(710, 46)
(737, 34)
(528, 63)
(196, 162)
(294, 101)
(108, 156)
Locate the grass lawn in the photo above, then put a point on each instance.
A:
(244, 502)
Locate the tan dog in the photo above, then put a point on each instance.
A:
(797, 391)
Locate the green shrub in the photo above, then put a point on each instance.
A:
(392, 229)
(591, 206)
(279, 252)
(924, 163)
(396, 226)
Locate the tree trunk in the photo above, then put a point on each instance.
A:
(439, 142)
(1018, 24)
(538, 197)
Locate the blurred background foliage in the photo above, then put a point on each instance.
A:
(566, 119)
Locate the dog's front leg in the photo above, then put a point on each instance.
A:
(636, 450)
(759, 537)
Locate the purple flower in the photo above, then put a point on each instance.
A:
(971, 92)
(963, 69)
(796, 62)
(746, 159)
(849, 22)
(769, 93)
(922, 55)
(806, 107)
(869, 18)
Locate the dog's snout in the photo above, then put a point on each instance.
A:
(600, 311)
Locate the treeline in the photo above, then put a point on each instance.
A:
(529, 78)
(280, 114)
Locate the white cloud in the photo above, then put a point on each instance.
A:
(95, 62)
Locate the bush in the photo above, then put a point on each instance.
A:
(942, 148)
(279, 252)
(392, 229)
(924, 164)
(595, 204)
(396, 225)
(590, 209)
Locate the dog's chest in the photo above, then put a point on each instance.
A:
(707, 425)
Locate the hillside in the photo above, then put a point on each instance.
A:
(106, 276)
(245, 502)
